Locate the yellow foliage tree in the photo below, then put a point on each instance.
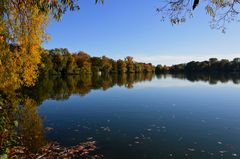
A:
(22, 31)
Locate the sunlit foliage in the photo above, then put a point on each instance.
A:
(62, 62)
(22, 31)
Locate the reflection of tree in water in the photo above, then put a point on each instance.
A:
(7, 119)
(20, 123)
(18, 109)
(30, 127)
(61, 88)
(213, 78)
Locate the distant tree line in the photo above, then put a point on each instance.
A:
(62, 62)
(213, 65)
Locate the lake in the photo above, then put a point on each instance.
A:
(142, 116)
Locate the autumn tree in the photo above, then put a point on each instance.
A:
(22, 31)
(121, 65)
(139, 67)
(148, 68)
(106, 65)
(96, 64)
(114, 66)
(130, 64)
(83, 61)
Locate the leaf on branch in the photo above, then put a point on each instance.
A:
(210, 11)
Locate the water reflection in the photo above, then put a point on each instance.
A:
(20, 119)
(20, 123)
(210, 78)
(61, 88)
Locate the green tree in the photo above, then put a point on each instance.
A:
(96, 64)
(114, 66)
(70, 64)
(106, 65)
(121, 65)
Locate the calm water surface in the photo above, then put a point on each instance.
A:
(145, 117)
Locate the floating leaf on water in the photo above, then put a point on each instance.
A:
(54, 150)
(90, 138)
(180, 139)
(234, 154)
(223, 151)
(106, 128)
(49, 129)
(191, 149)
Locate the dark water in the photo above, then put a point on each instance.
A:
(144, 116)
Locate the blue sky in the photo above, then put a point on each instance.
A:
(132, 27)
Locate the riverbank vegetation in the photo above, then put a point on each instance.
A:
(62, 62)
(212, 66)
(23, 63)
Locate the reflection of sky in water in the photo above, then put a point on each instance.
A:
(165, 118)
